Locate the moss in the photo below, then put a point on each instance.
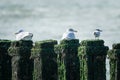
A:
(112, 69)
(21, 62)
(92, 43)
(73, 41)
(83, 64)
(22, 67)
(20, 51)
(21, 43)
(114, 56)
(20, 48)
(44, 54)
(68, 60)
(5, 60)
(45, 44)
(93, 50)
(116, 46)
(111, 55)
(4, 45)
(92, 54)
(113, 64)
(61, 71)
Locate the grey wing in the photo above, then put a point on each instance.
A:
(71, 36)
(96, 34)
(31, 34)
(28, 37)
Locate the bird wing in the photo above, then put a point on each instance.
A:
(97, 34)
(71, 36)
(68, 35)
(27, 36)
(24, 36)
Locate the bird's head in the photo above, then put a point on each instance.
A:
(71, 30)
(99, 30)
(19, 31)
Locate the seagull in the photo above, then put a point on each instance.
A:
(69, 34)
(97, 33)
(23, 35)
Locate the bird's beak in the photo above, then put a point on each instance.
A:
(75, 31)
(16, 33)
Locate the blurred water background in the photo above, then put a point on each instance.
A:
(48, 19)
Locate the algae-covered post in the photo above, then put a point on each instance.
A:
(5, 60)
(114, 56)
(68, 60)
(21, 63)
(93, 55)
(45, 60)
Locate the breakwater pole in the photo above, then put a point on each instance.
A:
(21, 62)
(92, 64)
(45, 60)
(68, 60)
(114, 56)
(5, 60)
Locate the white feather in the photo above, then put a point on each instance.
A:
(69, 34)
(24, 36)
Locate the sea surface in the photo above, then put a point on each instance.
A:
(49, 19)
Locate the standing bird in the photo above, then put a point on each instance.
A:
(69, 34)
(22, 35)
(97, 33)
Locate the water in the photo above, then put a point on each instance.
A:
(48, 19)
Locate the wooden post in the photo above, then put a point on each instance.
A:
(5, 60)
(21, 62)
(45, 60)
(68, 60)
(93, 55)
(114, 56)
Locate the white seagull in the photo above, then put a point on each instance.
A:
(69, 34)
(23, 35)
(97, 33)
